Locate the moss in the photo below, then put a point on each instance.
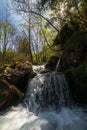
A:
(32, 75)
(1, 69)
(1, 75)
(45, 71)
(76, 39)
(7, 65)
(77, 78)
(79, 74)
(51, 65)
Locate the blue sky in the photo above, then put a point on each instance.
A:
(2, 4)
(14, 18)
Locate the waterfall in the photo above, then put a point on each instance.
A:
(47, 91)
(47, 106)
(57, 65)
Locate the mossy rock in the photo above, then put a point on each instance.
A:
(51, 65)
(77, 79)
(18, 73)
(32, 75)
(1, 69)
(45, 71)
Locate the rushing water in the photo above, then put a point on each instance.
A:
(47, 107)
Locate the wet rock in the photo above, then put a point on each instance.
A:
(45, 71)
(51, 65)
(9, 94)
(13, 81)
(18, 74)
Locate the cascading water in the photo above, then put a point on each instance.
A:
(47, 91)
(48, 107)
(57, 65)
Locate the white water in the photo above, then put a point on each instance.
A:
(21, 118)
(38, 69)
(57, 66)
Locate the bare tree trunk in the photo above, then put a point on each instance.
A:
(30, 50)
(31, 58)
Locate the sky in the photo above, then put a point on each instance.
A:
(14, 17)
(2, 4)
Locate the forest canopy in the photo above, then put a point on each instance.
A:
(44, 24)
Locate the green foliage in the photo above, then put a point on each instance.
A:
(7, 27)
(78, 39)
(1, 69)
(79, 73)
(73, 41)
(47, 37)
(77, 79)
(23, 46)
(51, 2)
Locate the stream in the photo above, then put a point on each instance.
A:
(47, 106)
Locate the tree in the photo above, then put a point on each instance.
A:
(25, 7)
(7, 31)
(21, 47)
(65, 9)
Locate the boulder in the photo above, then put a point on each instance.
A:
(52, 63)
(18, 74)
(13, 81)
(77, 80)
(9, 95)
